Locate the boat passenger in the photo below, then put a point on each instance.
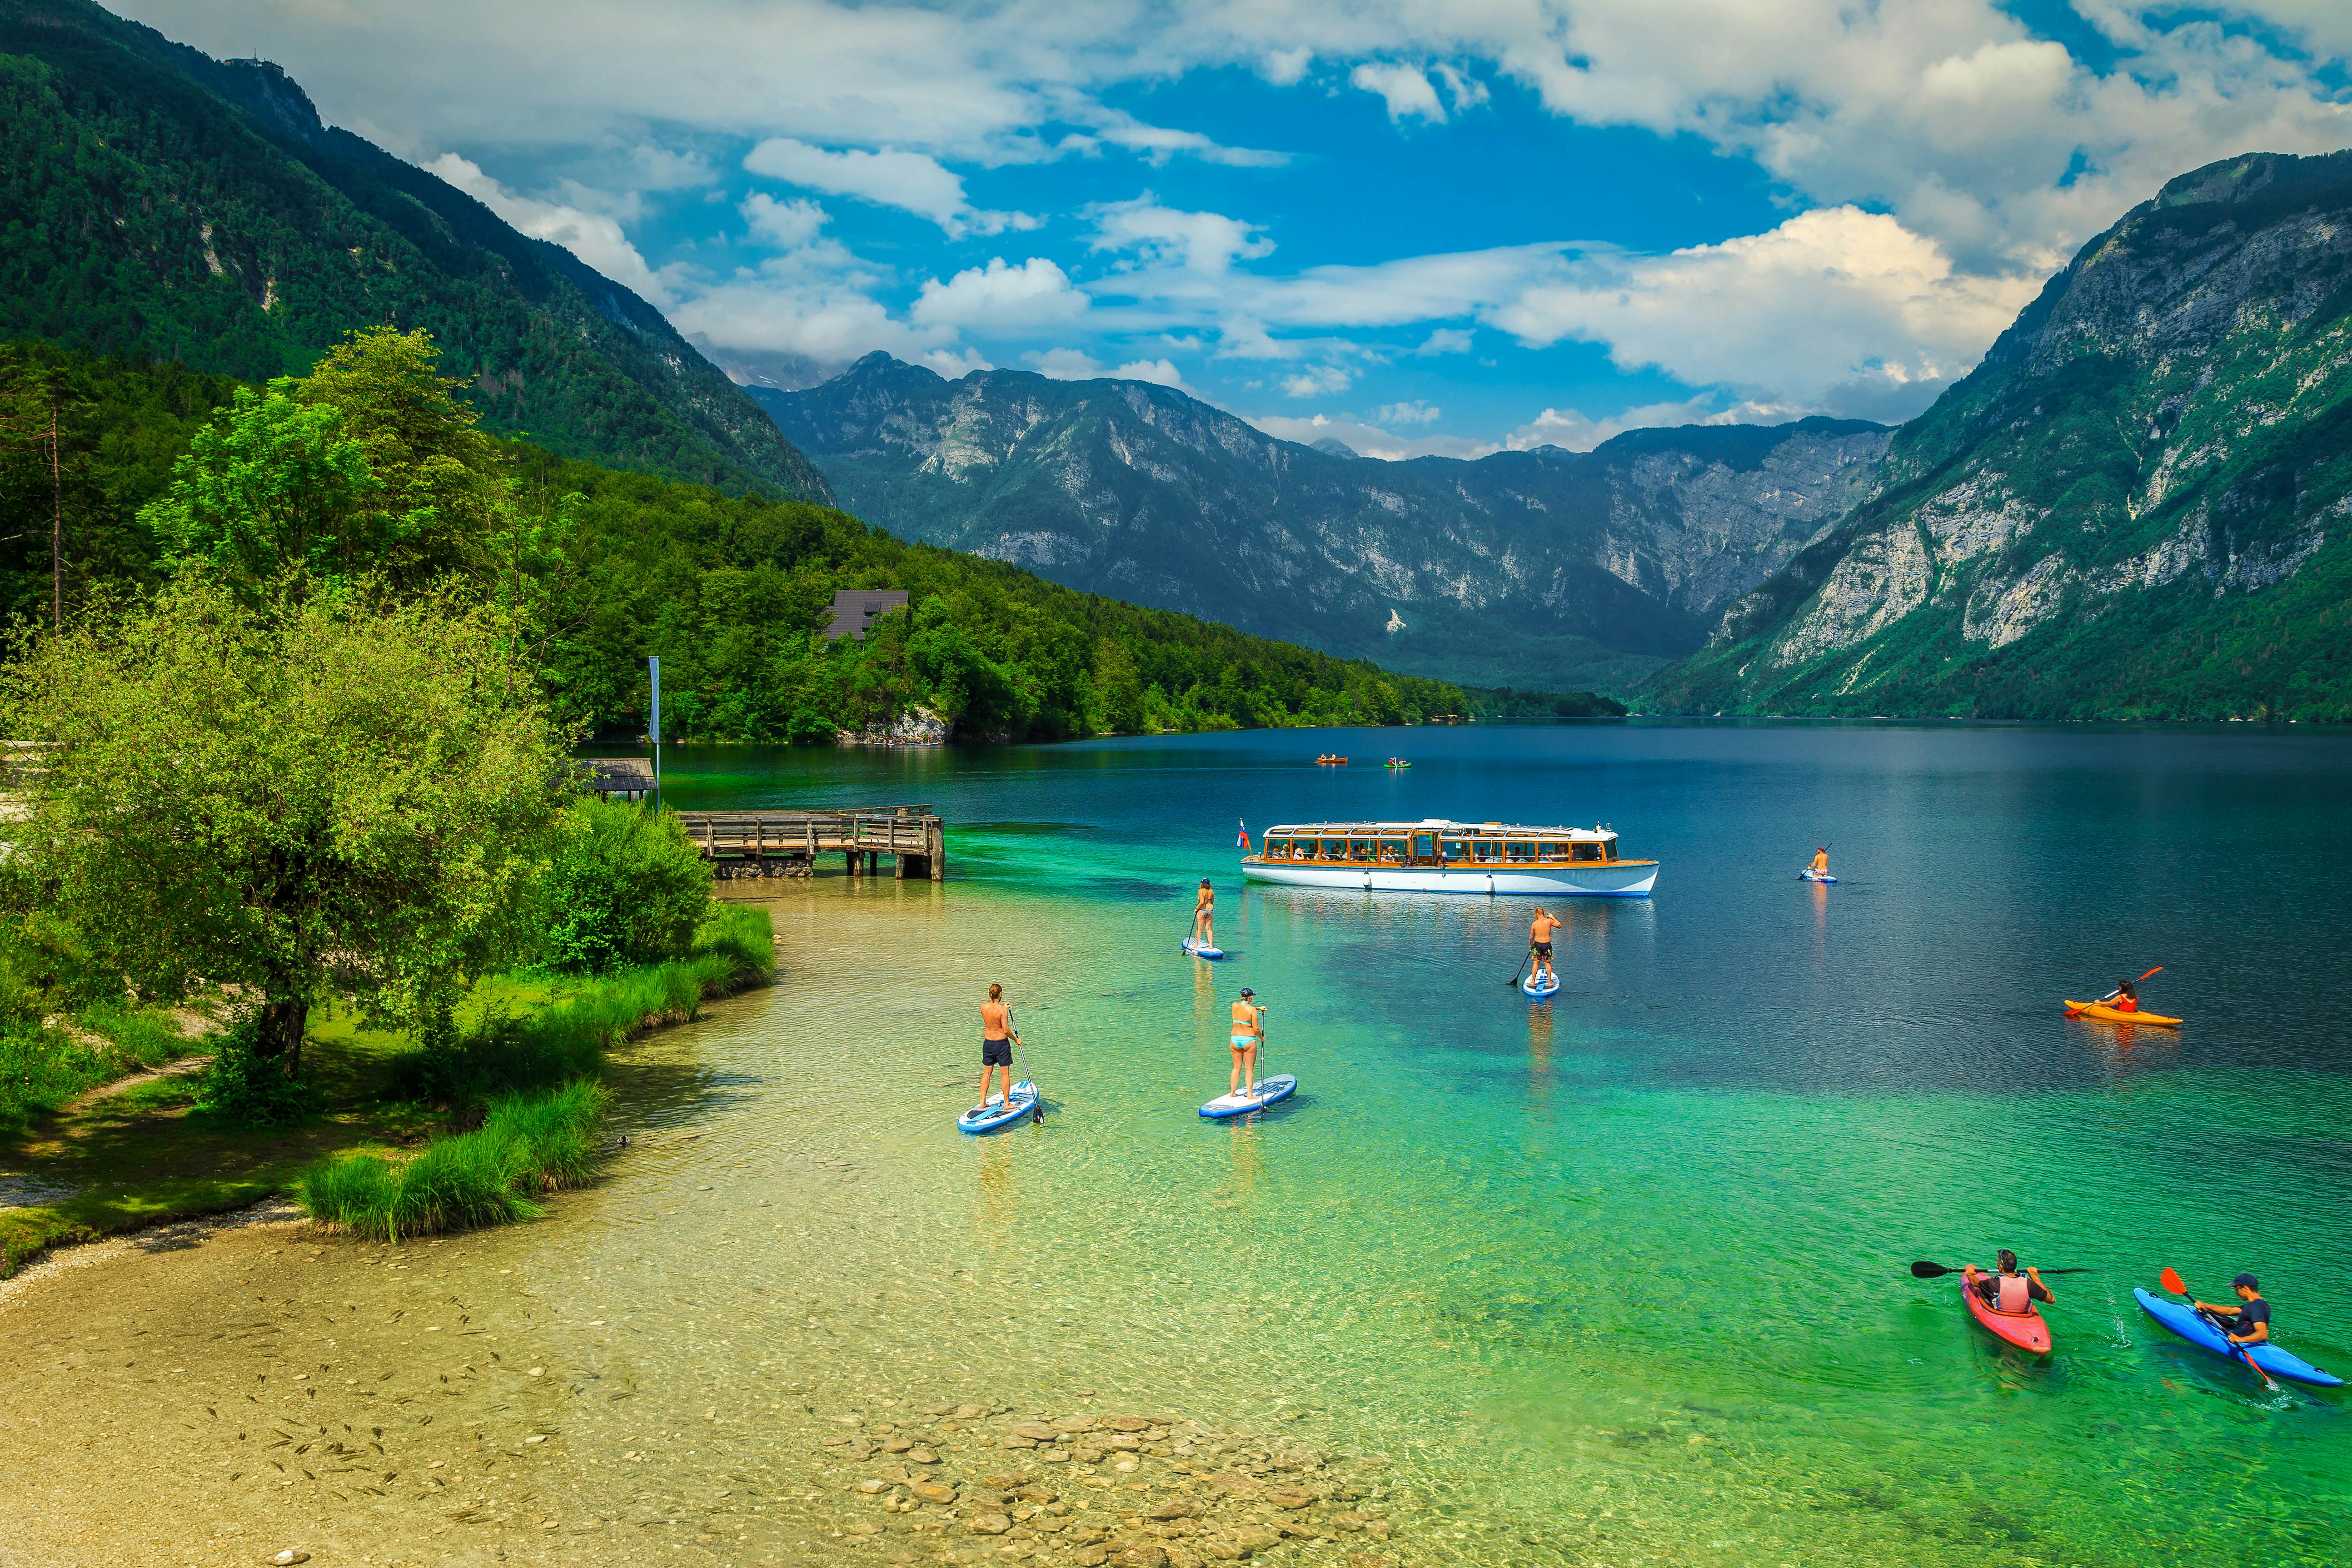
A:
(1249, 1034)
(2126, 999)
(2247, 1323)
(1540, 943)
(1204, 915)
(2005, 1290)
(997, 1039)
(1822, 861)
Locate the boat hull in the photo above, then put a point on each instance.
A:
(1626, 881)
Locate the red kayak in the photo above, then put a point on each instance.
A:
(2028, 1330)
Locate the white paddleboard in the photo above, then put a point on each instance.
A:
(996, 1113)
(1265, 1091)
(1536, 986)
(1817, 875)
(1194, 946)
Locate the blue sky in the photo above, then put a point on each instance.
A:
(1418, 226)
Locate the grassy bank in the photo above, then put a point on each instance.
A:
(466, 1135)
(45, 1066)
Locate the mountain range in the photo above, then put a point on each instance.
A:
(1543, 568)
(160, 204)
(2139, 506)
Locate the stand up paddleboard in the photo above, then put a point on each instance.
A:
(1817, 875)
(1538, 987)
(997, 1112)
(1265, 1091)
(1192, 945)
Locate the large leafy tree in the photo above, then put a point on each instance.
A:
(315, 796)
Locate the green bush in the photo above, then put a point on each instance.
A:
(528, 1144)
(627, 886)
(244, 1086)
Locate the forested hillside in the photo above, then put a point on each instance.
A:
(2137, 507)
(730, 589)
(162, 204)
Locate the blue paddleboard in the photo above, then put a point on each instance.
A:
(1265, 1091)
(997, 1112)
(1816, 876)
(2181, 1320)
(1536, 986)
(1193, 947)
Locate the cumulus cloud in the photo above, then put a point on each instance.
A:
(596, 238)
(912, 181)
(785, 225)
(1579, 432)
(1368, 439)
(1405, 88)
(1315, 381)
(1076, 364)
(1158, 236)
(1406, 412)
(1034, 295)
(1447, 341)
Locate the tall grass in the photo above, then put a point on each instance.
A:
(43, 1065)
(528, 1144)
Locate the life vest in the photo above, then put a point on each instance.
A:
(2126, 1003)
(2014, 1295)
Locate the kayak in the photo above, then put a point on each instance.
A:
(2185, 1322)
(2028, 1330)
(1538, 987)
(2115, 1016)
(1393, 766)
(1199, 949)
(996, 1113)
(1265, 1091)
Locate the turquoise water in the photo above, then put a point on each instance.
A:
(1619, 1276)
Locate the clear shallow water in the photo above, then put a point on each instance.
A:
(1641, 1251)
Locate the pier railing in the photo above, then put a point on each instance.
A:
(773, 843)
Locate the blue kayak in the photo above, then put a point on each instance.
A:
(1001, 1109)
(2205, 1336)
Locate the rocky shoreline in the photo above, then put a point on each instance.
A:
(988, 1482)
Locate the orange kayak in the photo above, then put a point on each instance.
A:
(2115, 1016)
(2028, 1330)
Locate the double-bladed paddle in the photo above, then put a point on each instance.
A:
(2112, 995)
(2170, 1280)
(1924, 1270)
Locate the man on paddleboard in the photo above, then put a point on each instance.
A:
(2006, 1290)
(1249, 1033)
(996, 1042)
(1204, 915)
(2251, 1317)
(1822, 861)
(1540, 943)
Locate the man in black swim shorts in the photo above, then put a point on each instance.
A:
(997, 1038)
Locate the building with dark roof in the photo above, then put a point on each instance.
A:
(854, 609)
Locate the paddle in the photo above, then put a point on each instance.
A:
(1036, 1106)
(2170, 1280)
(2112, 995)
(1924, 1270)
(1514, 981)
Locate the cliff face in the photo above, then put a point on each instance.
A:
(2135, 507)
(1543, 568)
(159, 203)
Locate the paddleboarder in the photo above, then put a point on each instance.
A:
(2252, 1315)
(1539, 935)
(1249, 1034)
(1205, 916)
(2006, 1290)
(997, 1039)
(1822, 861)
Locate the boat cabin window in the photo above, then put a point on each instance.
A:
(1276, 848)
(1359, 848)
(1391, 851)
(1457, 850)
(1552, 849)
(1486, 850)
(1425, 846)
(1335, 849)
(1586, 850)
(1520, 850)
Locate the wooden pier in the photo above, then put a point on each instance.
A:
(787, 843)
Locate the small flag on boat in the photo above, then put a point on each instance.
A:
(1242, 842)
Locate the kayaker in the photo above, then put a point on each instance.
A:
(1822, 861)
(997, 1039)
(1249, 1034)
(1539, 935)
(2005, 1290)
(2252, 1314)
(2126, 999)
(1204, 915)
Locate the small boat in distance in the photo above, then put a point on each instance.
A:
(1435, 856)
(1328, 760)
(1396, 763)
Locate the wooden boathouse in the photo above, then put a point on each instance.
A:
(787, 843)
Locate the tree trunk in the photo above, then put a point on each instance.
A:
(282, 1025)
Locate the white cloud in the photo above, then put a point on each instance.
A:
(1465, 90)
(1158, 236)
(912, 181)
(1001, 299)
(1315, 381)
(1579, 432)
(1064, 365)
(595, 237)
(1160, 371)
(786, 225)
(1405, 88)
(1447, 341)
(1407, 413)
(1367, 440)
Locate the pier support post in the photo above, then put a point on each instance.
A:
(938, 852)
(850, 856)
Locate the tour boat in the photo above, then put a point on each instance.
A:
(1435, 856)
(1328, 760)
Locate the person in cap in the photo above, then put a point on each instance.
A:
(2005, 1290)
(1249, 1034)
(2248, 1322)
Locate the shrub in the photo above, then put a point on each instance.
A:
(243, 1085)
(627, 886)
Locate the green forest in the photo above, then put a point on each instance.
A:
(602, 568)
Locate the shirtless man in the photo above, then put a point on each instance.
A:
(996, 1042)
(1249, 1034)
(1204, 915)
(1540, 943)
